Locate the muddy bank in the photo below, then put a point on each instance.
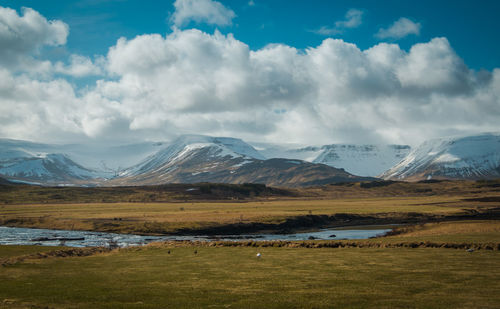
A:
(309, 222)
(54, 254)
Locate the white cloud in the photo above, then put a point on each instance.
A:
(201, 11)
(353, 19)
(399, 29)
(434, 66)
(155, 87)
(21, 36)
(79, 66)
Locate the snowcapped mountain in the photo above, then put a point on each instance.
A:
(364, 160)
(470, 157)
(189, 158)
(53, 168)
(68, 164)
(195, 158)
(205, 148)
(198, 158)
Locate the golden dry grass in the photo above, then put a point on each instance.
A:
(453, 228)
(480, 231)
(381, 198)
(172, 216)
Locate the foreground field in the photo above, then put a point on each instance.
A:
(234, 277)
(417, 267)
(434, 263)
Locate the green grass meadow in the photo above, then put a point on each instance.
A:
(233, 277)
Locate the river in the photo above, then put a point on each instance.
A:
(29, 236)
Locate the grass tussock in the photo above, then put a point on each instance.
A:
(332, 244)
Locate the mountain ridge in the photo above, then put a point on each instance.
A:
(191, 159)
(462, 157)
(200, 158)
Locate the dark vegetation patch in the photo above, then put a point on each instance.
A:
(334, 244)
(375, 184)
(431, 181)
(304, 223)
(4, 181)
(488, 183)
(54, 254)
(484, 199)
(26, 194)
(246, 190)
(423, 190)
(342, 184)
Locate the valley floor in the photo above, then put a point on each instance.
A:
(446, 256)
(251, 215)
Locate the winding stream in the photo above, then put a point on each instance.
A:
(29, 236)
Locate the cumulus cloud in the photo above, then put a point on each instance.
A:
(191, 81)
(353, 19)
(79, 66)
(399, 29)
(201, 11)
(24, 35)
(155, 87)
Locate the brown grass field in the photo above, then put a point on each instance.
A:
(130, 217)
(269, 206)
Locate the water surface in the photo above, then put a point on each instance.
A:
(46, 237)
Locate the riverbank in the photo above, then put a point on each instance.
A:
(270, 225)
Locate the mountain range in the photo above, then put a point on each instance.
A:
(198, 158)
(195, 158)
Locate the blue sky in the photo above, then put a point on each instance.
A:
(472, 27)
(308, 72)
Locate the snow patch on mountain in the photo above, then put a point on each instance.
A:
(363, 160)
(288, 151)
(188, 145)
(467, 157)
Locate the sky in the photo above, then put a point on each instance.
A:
(306, 72)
